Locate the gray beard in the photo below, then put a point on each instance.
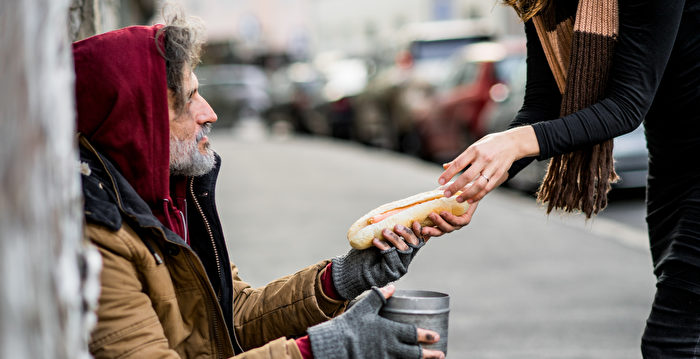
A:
(186, 160)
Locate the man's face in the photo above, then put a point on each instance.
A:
(190, 154)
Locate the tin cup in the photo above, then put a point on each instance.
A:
(422, 308)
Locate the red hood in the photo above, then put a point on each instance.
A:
(121, 95)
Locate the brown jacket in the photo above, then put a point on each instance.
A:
(157, 300)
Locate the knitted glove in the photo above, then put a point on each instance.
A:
(361, 333)
(360, 270)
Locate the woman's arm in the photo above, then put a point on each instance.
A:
(647, 33)
(542, 98)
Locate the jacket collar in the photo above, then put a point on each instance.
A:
(109, 198)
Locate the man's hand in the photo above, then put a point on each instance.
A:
(362, 333)
(425, 336)
(360, 270)
(399, 238)
(447, 222)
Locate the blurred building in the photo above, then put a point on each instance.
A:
(303, 28)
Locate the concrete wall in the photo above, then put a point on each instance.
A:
(48, 275)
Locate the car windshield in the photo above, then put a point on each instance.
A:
(439, 49)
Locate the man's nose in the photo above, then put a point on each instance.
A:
(206, 113)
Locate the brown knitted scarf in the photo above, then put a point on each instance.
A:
(579, 54)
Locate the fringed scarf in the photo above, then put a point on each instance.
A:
(579, 52)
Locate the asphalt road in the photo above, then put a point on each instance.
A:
(522, 284)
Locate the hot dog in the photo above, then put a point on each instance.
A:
(403, 212)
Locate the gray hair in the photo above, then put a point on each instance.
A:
(183, 38)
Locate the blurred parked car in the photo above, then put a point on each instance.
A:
(480, 75)
(384, 109)
(345, 77)
(234, 91)
(297, 93)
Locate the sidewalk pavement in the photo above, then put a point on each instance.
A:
(522, 284)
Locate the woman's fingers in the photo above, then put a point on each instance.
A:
(490, 177)
(485, 161)
(458, 164)
(465, 180)
(499, 179)
(473, 188)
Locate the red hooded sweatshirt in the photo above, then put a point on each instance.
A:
(122, 103)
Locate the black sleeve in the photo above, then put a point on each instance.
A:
(542, 98)
(647, 32)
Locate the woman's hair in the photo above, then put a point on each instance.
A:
(526, 9)
(183, 38)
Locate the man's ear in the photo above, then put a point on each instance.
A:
(172, 114)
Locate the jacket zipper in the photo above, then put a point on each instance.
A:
(206, 224)
(216, 252)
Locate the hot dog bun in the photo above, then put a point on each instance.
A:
(417, 208)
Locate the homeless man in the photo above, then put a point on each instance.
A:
(168, 288)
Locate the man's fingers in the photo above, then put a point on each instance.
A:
(380, 244)
(431, 232)
(442, 224)
(456, 221)
(394, 239)
(429, 337)
(407, 234)
(433, 354)
(470, 211)
(418, 229)
(426, 336)
(388, 291)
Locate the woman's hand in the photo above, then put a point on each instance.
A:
(487, 162)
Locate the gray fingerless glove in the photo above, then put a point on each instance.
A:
(361, 333)
(360, 270)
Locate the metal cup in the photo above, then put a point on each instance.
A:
(422, 308)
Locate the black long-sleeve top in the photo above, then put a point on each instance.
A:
(655, 78)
